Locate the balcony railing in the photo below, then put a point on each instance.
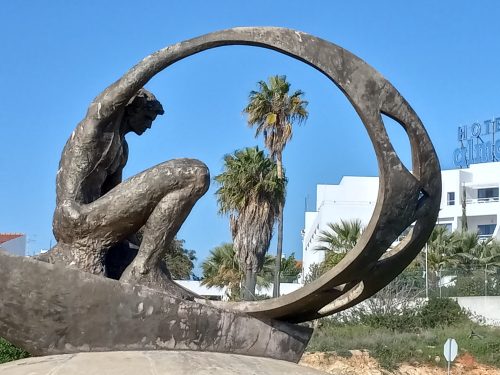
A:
(481, 200)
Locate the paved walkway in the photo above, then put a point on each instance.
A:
(153, 363)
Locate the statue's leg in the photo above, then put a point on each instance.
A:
(160, 229)
(160, 197)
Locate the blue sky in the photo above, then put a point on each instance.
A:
(56, 56)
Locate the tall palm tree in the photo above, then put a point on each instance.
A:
(222, 269)
(273, 111)
(251, 193)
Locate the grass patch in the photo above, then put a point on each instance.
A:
(420, 340)
(9, 352)
(391, 348)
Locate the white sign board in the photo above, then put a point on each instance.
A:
(450, 350)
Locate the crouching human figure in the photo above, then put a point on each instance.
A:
(97, 213)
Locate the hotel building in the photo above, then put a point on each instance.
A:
(355, 198)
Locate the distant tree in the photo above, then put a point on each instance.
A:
(251, 193)
(221, 269)
(480, 266)
(441, 253)
(315, 271)
(465, 249)
(273, 111)
(340, 237)
(336, 241)
(290, 269)
(180, 261)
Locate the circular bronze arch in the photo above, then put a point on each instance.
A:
(404, 197)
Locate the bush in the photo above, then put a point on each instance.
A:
(405, 321)
(441, 312)
(9, 352)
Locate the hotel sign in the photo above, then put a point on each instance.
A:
(479, 143)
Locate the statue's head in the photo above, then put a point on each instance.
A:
(141, 111)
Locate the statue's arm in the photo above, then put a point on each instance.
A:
(115, 97)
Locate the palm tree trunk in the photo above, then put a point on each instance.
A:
(279, 252)
(279, 246)
(248, 292)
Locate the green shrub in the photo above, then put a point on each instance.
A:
(9, 352)
(404, 321)
(441, 312)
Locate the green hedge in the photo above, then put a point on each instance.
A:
(9, 352)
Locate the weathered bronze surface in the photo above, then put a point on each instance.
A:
(405, 198)
(96, 211)
(50, 309)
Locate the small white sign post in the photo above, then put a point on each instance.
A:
(450, 351)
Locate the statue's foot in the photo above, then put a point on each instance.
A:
(156, 279)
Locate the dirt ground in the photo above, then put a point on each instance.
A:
(360, 363)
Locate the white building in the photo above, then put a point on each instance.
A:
(14, 243)
(222, 293)
(355, 198)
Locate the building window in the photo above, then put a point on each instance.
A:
(451, 198)
(446, 226)
(486, 230)
(487, 195)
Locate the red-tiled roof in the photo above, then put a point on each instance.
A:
(4, 237)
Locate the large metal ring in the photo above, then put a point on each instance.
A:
(405, 198)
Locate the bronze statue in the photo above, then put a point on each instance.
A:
(97, 212)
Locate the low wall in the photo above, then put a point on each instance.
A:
(485, 307)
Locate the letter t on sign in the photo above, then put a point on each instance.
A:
(462, 133)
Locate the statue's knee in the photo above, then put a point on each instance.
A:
(68, 222)
(201, 177)
(190, 173)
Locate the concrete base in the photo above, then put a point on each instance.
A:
(153, 363)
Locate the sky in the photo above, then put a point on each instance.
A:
(56, 56)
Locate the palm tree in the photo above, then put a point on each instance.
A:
(468, 247)
(290, 269)
(273, 111)
(340, 237)
(221, 269)
(442, 249)
(251, 193)
(482, 260)
(337, 240)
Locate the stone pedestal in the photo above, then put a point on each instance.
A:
(48, 309)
